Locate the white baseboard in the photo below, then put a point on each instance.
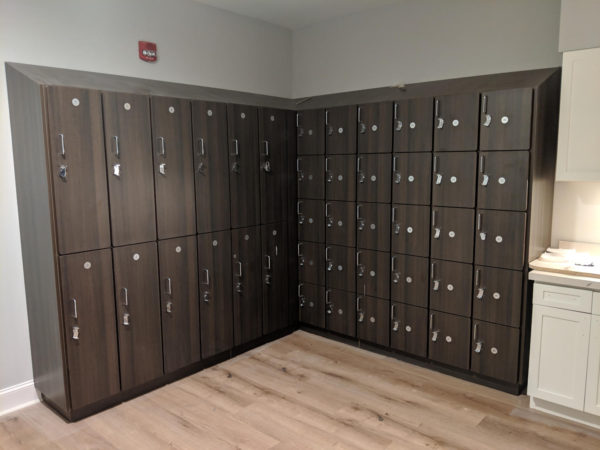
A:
(17, 397)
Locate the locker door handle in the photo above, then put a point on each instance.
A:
(202, 148)
(394, 318)
(360, 267)
(361, 314)
(62, 145)
(268, 258)
(329, 262)
(437, 232)
(266, 147)
(207, 282)
(125, 295)
(482, 234)
(162, 168)
(478, 342)
(162, 150)
(438, 178)
(328, 174)
(236, 146)
(75, 316)
(397, 175)
(168, 289)
(206, 296)
(117, 170)
(436, 285)
(117, 150)
(126, 319)
(75, 333)
(485, 179)
(239, 269)
(440, 123)
(169, 307)
(361, 176)
(298, 170)
(480, 293)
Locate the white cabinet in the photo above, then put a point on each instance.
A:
(592, 390)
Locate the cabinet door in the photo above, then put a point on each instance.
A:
(274, 276)
(450, 287)
(410, 280)
(503, 180)
(410, 230)
(138, 313)
(216, 304)
(495, 351)
(452, 234)
(211, 162)
(273, 177)
(180, 308)
(558, 356)
(506, 120)
(244, 165)
(310, 132)
(454, 179)
(449, 339)
(372, 317)
(412, 178)
(311, 220)
(373, 273)
(78, 169)
(413, 125)
(373, 226)
(340, 220)
(409, 329)
(312, 304)
(173, 167)
(128, 141)
(311, 177)
(88, 304)
(340, 130)
(456, 122)
(592, 390)
(373, 178)
(339, 267)
(340, 313)
(500, 239)
(497, 295)
(247, 284)
(340, 177)
(375, 128)
(310, 262)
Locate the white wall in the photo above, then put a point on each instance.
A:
(579, 24)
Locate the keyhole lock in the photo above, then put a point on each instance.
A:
(76, 333)
(478, 346)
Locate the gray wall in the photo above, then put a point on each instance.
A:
(579, 25)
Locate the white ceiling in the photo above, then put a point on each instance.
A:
(295, 14)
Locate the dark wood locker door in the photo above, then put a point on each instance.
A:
(410, 229)
(244, 165)
(413, 125)
(340, 223)
(311, 177)
(340, 312)
(456, 122)
(506, 120)
(76, 141)
(312, 304)
(88, 304)
(274, 276)
(409, 329)
(410, 280)
(373, 226)
(495, 351)
(178, 261)
(216, 299)
(340, 178)
(373, 273)
(311, 220)
(311, 262)
(411, 178)
(452, 234)
(340, 270)
(454, 179)
(375, 128)
(449, 339)
(174, 183)
(503, 180)
(128, 141)
(211, 162)
(138, 313)
(373, 178)
(340, 130)
(247, 284)
(310, 132)
(497, 295)
(450, 287)
(372, 320)
(500, 240)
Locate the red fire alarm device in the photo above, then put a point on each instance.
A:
(147, 51)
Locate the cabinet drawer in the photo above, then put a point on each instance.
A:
(562, 297)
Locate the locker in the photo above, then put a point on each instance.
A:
(456, 122)
(274, 275)
(78, 161)
(138, 313)
(373, 178)
(216, 296)
(410, 229)
(179, 298)
(340, 130)
(413, 125)
(454, 179)
(500, 240)
(247, 284)
(312, 304)
(244, 165)
(410, 280)
(375, 128)
(372, 320)
(310, 171)
(411, 178)
(340, 223)
(340, 177)
(340, 312)
(311, 258)
(493, 351)
(373, 226)
(373, 273)
(503, 180)
(506, 120)
(449, 339)
(450, 287)
(173, 167)
(311, 220)
(88, 305)
(310, 132)
(497, 295)
(339, 267)
(211, 163)
(409, 329)
(128, 142)
(452, 234)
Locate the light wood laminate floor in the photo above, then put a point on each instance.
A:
(304, 391)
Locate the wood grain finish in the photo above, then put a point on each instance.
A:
(492, 351)
(340, 130)
(340, 267)
(274, 277)
(500, 240)
(340, 223)
(373, 178)
(449, 339)
(450, 287)
(410, 280)
(410, 229)
(413, 125)
(375, 128)
(411, 179)
(497, 295)
(409, 329)
(373, 273)
(310, 132)
(454, 179)
(311, 220)
(372, 320)
(456, 122)
(312, 304)
(452, 234)
(311, 177)
(311, 259)
(503, 180)
(340, 177)
(373, 226)
(340, 312)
